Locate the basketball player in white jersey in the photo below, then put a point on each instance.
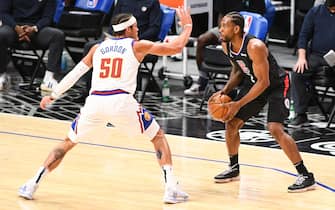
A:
(115, 64)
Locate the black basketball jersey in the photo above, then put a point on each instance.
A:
(244, 63)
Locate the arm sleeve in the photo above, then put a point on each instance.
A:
(70, 79)
(306, 31)
(5, 13)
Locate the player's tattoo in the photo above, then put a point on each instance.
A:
(58, 155)
(158, 154)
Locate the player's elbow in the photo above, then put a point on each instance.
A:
(263, 83)
(266, 83)
(178, 48)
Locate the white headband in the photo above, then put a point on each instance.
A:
(124, 25)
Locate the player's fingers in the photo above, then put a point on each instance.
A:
(45, 102)
(178, 11)
(217, 93)
(226, 117)
(42, 105)
(212, 96)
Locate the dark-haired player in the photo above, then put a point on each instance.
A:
(261, 81)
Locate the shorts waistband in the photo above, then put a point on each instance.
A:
(108, 92)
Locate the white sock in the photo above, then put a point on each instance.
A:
(42, 171)
(48, 75)
(170, 180)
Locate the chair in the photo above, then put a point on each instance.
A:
(256, 25)
(324, 77)
(148, 64)
(332, 114)
(25, 57)
(81, 23)
(270, 12)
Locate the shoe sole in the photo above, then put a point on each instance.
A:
(312, 187)
(170, 202)
(25, 196)
(176, 200)
(227, 180)
(300, 125)
(194, 94)
(45, 88)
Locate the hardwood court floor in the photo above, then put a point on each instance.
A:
(120, 172)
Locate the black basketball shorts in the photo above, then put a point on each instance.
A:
(277, 98)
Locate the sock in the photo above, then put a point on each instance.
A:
(48, 75)
(233, 160)
(42, 171)
(301, 168)
(169, 178)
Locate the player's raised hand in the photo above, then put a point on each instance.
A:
(184, 16)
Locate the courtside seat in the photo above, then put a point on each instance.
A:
(82, 23)
(146, 79)
(26, 57)
(255, 24)
(325, 79)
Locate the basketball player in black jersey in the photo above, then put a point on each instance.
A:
(260, 81)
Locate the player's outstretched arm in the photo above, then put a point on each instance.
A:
(174, 46)
(70, 79)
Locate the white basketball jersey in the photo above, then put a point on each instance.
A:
(115, 66)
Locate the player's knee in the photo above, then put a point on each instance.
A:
(275, 129)
(159, 136)
(68, 144)
(234, 125)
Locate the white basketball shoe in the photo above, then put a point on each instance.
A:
(174, 195)
(28, 189)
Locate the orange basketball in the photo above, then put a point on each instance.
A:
(216, 108)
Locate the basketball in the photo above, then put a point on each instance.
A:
(216, 108)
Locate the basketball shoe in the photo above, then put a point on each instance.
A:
(4, 81)
(299, 121)
(229, 175)
(303, 183)
(28, 189)
(174, 195)
(49, 84)
(194, 90)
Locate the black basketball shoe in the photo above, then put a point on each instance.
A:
(303, 183)
(299, 121)
(229, 175)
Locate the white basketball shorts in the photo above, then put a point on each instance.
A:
(115, 108)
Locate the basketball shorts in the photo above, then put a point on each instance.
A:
(107, 109)
(277, 98)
